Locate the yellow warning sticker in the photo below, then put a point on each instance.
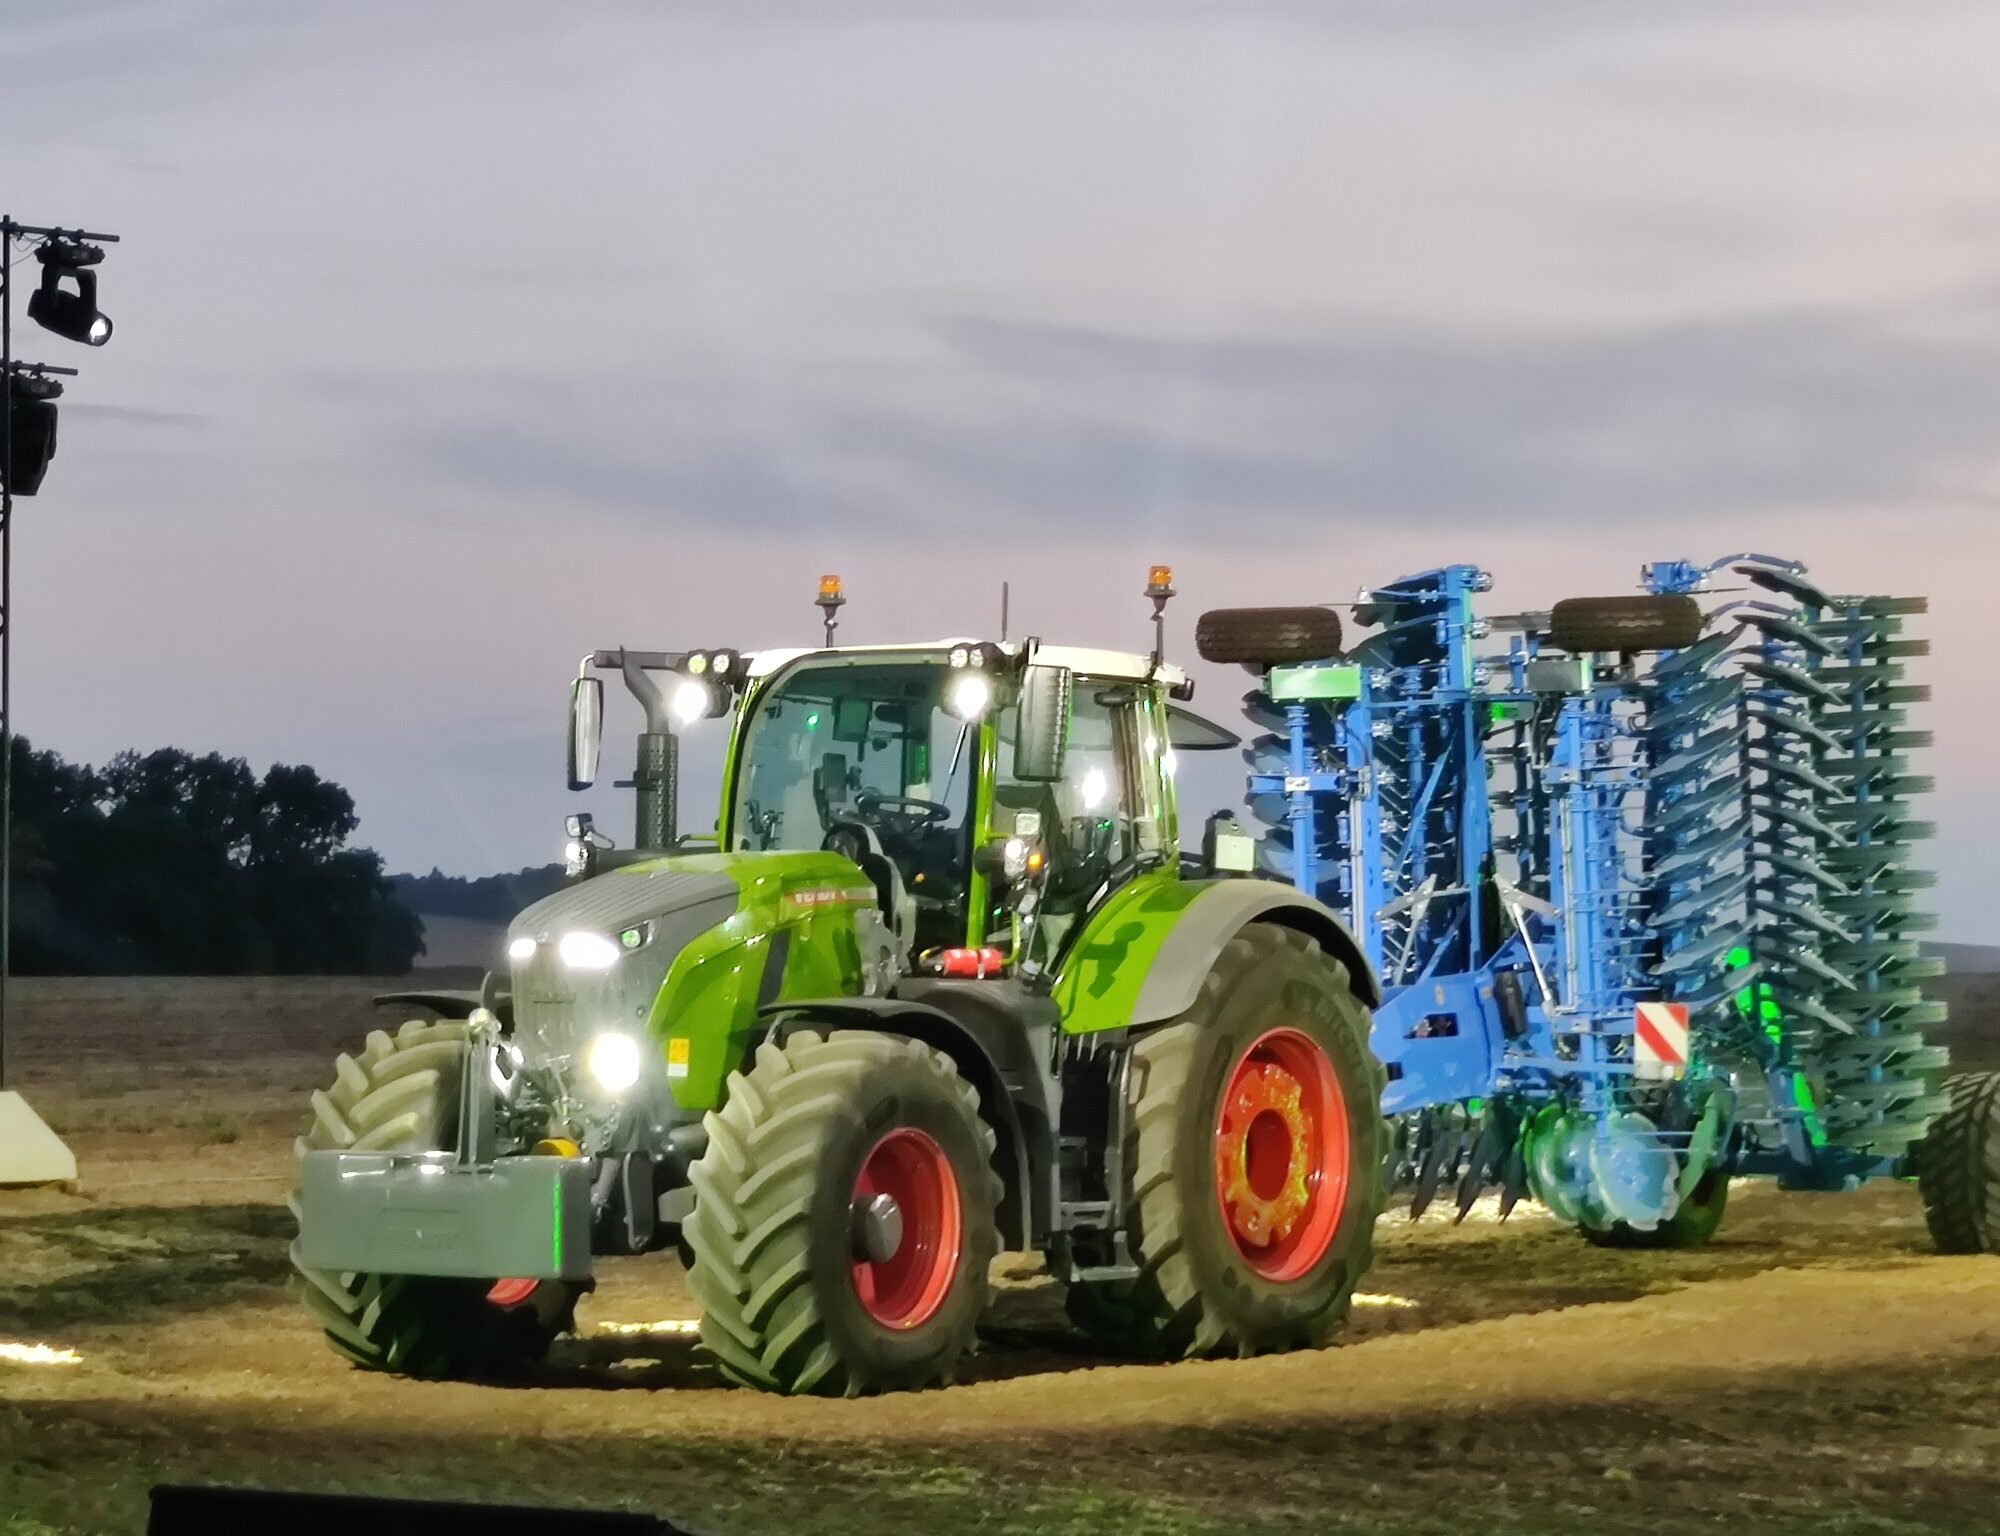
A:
(677, 1055)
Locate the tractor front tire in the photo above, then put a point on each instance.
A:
(401, 1095)
(1691, 1225)
(1253, 1157)
(843, 1221)
(1958, 1167)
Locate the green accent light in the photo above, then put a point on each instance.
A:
(1802, 1095)
(631, 937)
(812, 721)
(1302, 683)
(1755, 1001)
(555, 1205)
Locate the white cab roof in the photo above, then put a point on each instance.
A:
(1122, 666)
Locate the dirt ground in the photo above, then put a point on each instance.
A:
(1816, 1368)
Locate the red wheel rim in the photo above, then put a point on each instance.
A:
(1281, 1155)
(906, 1289)
(511, 1293)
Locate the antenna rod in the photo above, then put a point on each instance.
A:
(1003, 613)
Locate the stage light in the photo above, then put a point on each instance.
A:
(32, 426)
(71, 314)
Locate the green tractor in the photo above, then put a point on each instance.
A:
(943, 981)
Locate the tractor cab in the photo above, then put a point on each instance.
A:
(989, 793)
(915, 764)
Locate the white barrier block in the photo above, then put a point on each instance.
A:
(31, 1153)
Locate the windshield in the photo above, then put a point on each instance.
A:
(862, 756)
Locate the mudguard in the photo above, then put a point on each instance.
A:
(1222, 910)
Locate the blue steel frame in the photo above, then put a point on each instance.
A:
(1794, 1147)
(1391, 820)
(1389, 817)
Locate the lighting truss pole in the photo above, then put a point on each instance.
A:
(9, 233)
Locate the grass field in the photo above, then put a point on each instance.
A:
(1814, 1369)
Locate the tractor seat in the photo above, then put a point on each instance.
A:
(861, 843)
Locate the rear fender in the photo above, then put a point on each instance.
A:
(1223, 909)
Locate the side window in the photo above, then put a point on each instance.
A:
(1095, 798)
(1090, 821)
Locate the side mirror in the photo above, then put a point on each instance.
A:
(586, 730)
(1041, 736)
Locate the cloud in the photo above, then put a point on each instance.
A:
(1766, 411)
(514, 329)
(137, 415)
(1044, 424)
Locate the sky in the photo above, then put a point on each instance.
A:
(455, 340)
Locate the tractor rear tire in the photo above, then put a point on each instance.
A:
(1691, 1226)
(1646, 623)
(1958, 1167)
(401, 1095)
(806, 1282)
(1267, 637)
(1254, 1160)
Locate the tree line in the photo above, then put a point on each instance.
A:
(165, 863)
(487, 899)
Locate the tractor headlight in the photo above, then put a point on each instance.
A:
(588, 952)
(693, 700)
(613, 1061)
(970, 695)
(522, 949)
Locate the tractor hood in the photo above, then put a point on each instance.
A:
(639, 918)
(627, 929)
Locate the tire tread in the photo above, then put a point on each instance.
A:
(750, 1229)
(1958, 1167)
(1163, 1311)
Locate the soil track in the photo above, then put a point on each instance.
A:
(1815, 1368)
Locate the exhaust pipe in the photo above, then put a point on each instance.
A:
(656, 775)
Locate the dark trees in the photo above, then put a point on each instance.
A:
(168, 863)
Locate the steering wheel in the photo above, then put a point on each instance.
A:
(903, 808)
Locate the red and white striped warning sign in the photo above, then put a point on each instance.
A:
(1660, 1041)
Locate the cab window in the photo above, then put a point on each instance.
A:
(1091, 821)
(863, 758)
